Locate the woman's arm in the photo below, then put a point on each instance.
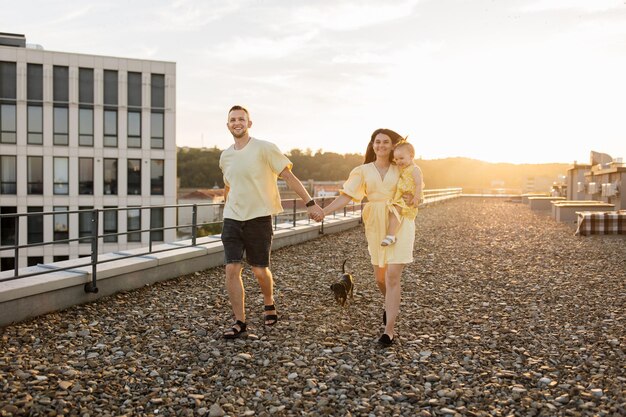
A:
(337, 204)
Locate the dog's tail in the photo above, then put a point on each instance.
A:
(343, 267)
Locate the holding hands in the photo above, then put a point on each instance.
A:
(315, 212)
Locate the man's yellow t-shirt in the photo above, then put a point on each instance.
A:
(251, 175)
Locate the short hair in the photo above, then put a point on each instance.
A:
(238, 107)
(406, 145)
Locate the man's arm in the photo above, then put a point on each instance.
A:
(315, 211)
(226, 190)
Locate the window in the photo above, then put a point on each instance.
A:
(85, 85)
(134, 176)
(134, 129)
(8, 89)
(34, 166)
(156, 221)
(110, 128)
(156, 176)
(110, 87)
(60, 258)
(110, 176)
(61, 130)
(7, 264)
(85, 176)
(84, 223)
(133, 222)
(8, 174)
(156, 130)
(34, 82)
(7, 226)
(134, 89)
(85, 127)
(110, 224)
(61, 176)
(60, 84)
(157, 83)
(35, 125)
(8, 80)
(61, 225)
(7, 123)
(34, 260)
(35, 225)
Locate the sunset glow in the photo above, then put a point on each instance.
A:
(501, 81)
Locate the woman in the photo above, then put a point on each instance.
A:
(377, 179)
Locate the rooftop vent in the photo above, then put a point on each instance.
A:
(12, 39)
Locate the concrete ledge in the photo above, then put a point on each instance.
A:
(542, 203)
(567, 213)
(24, 298)
(570, 202)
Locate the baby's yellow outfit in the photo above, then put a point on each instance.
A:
(406, 184)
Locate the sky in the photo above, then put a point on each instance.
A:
(521, 81)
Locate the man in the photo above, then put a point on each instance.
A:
(251, 168)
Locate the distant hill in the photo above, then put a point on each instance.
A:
(475, 174)
(199, 168)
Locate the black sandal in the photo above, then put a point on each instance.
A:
(236, 330)
(385, 340)
(270, 319)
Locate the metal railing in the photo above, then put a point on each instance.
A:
(95, 239)
(295, 212)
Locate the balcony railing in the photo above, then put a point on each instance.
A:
(295, 213)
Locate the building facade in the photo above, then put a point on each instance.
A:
(79, 132)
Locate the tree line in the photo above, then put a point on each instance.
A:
(199, 168)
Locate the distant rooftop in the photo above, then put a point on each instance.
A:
(12, 39)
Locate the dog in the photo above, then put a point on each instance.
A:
(344, 287)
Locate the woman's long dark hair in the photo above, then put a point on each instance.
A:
(370, 156)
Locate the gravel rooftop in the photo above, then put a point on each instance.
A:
(505, 313)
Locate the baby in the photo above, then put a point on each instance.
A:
(410, 182)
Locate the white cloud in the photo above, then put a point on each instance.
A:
(580, 5)
(344, 16)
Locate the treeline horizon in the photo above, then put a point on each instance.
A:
(199, 168)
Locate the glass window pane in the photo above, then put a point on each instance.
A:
(134, 129)
(133, 223)
(35, 175)
(156, 176)
(110, 224)
(60, 84)
(110, 128)
(110, 176)
(85, 85)
(8, 174)
(134, 176)
(134, 89)
(35, 125)
(110, 87)
(61, 176)
(85, 127)
(85, 176)
(84, 223)
(35, 225)
(157, 82)
(156, 221)
(7, 123)
(8, 80)
(61, 224)
(61, 126)
(7, 226)
(34, 82)
(156, 130)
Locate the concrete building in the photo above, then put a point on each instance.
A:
(605, 182)
(81, 132)
(576, 186)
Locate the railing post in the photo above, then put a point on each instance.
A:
(194, 223)
(92, 286)
(294, 212)
(322, 225)
(16, 263)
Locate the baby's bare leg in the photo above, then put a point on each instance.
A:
(394, 223)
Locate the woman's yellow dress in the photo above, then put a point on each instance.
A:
(365, 181)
